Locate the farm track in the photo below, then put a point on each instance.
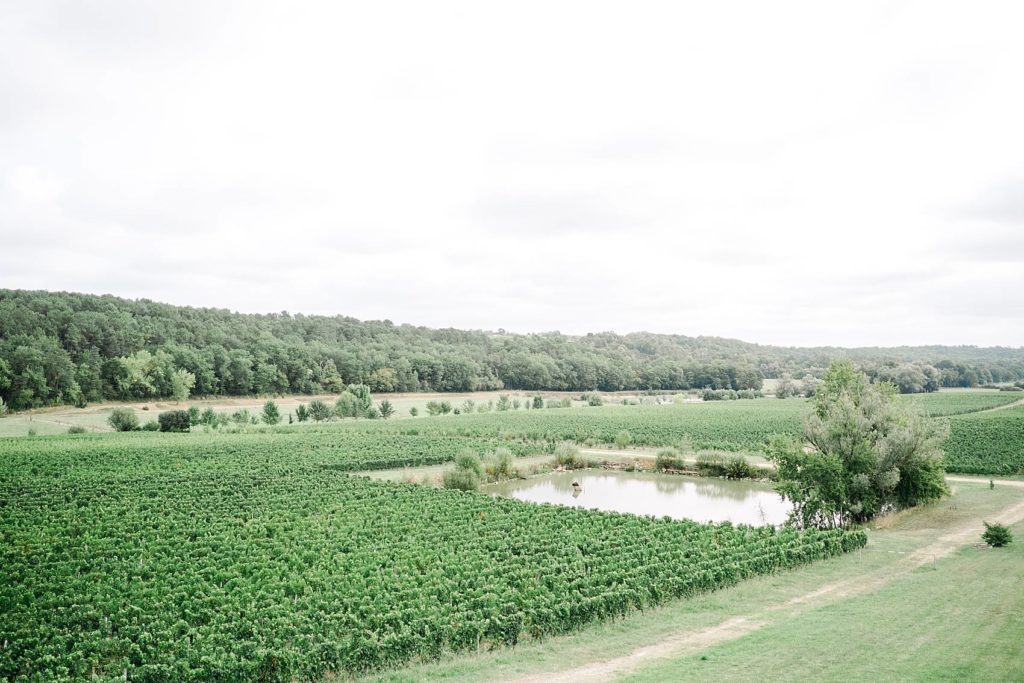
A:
(691, 641)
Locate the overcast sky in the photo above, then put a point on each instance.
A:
(787, 173)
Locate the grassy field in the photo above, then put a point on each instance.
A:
(889, 612)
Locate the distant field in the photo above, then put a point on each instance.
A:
(985, 428)
(961, 401)
(987, 443)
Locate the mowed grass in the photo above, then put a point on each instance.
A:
(960, 620)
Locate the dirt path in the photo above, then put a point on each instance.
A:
(687, 642)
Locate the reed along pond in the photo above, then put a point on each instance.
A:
(701, 499)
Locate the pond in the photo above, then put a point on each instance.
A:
(700, 499)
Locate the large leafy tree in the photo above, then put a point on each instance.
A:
(865, 454)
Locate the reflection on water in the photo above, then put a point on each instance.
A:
(646, 493)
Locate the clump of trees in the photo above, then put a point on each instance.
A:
(865, 454)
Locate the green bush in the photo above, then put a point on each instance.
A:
(319, 411)
(151, 426)
(271, 415)
(669, 459)
(77, 429)
(123, 420)
(997, 535)
(568, 456)
(623, 439)
(174, 421)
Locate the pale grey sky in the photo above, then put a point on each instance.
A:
(788, 173)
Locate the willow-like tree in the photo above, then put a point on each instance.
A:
(864, 454)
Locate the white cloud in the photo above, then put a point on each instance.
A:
(795, 173)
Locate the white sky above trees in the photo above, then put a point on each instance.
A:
(787, 173)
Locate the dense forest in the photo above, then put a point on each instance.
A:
(77, 348)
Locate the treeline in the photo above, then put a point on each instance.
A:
(77, 348)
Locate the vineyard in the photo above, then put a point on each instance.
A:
(733, 425)
(960, 402)
(162, 561)
(987, 443)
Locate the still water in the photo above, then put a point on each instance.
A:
(644, 493)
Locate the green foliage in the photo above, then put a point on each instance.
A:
(76, 429)
(445, 407)
(568, 456)
(151, 426)
(194, 416)
(593, 399)
(726, 465)
(208, 417)
(270, 415)
(623, 439)
(348, 405)
(204, 560)
(123, 420)
(174, 421)
(385, 409)
(503, 403)
(868, 454)
(433, 407)
(986, 443)
(319, 411)
(499, 465)
(669, 459)
(302, 413)
(538, 401)
(997, 535)
(414, 411)
(467, 474)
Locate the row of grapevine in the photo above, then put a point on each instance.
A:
(184, 559)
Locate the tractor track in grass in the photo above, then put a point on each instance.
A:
(695, 640)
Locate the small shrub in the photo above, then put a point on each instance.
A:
(123, 420)
(194, 416)
(271, 415)
(385, 409)
(623, 439)
(151, 426)
(500, 465)
(174, 421)
(32, 431)
(997, 535)
(414, 411)
(737, 467)
(209, 417)
(77, 429)
(569, 457)
(669, 459)
(302, 413)
(593, 399)
(460, 480)
(538, 401)
(319, 411)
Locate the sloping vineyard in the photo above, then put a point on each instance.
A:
(178, 560)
